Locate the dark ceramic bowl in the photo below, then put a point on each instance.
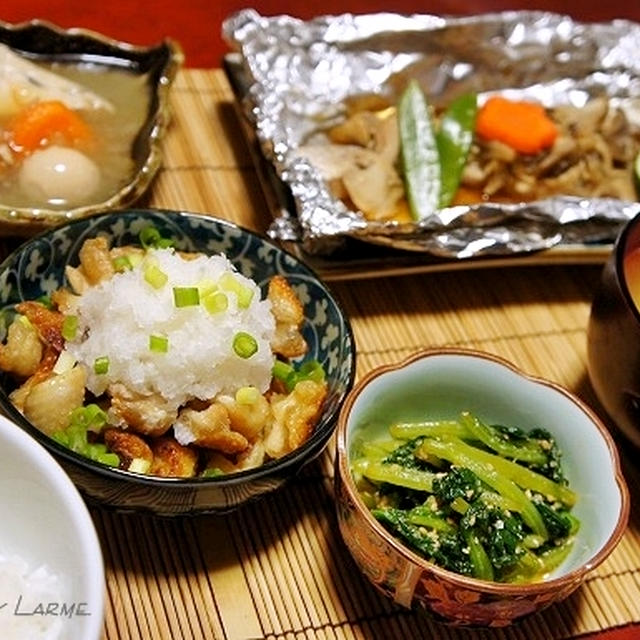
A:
(613, 336)
(39, 41)
(439, 384)
(37, 268)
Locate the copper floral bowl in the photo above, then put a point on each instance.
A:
(433, 384)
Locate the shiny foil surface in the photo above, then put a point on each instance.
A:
(299, 73)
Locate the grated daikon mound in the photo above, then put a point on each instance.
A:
(117, 316)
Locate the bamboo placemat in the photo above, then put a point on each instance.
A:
(277, 568)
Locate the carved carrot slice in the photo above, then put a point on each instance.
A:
(524, 126)
(48, 122)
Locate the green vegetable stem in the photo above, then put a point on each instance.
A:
(419, 152)
(454, 138)
(433, 160)
(488, 501)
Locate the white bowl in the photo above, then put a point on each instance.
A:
(45, 524)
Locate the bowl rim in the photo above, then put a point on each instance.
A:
(309, 449)
(157, 119)
(497, 588)
(620, 252)
(88, 543)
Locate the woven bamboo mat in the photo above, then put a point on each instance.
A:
(277, 568)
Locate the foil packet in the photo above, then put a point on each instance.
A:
(299, 75)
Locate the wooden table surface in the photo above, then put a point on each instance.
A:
(277, 568)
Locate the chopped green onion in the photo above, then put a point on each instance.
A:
(158, 344)
(74, 437)
(206, 287)
(101, 365)
(215, 302)
(99, 453)
(244, 344)
(282, 370)
(46, 301)
(139, 465)
(247, 395)
(155, 276)
(212, 472)
(244, 294)
(186, 296)
(69, 327)
(91, 417)
(150, 238)
(122, 263)
(311, 370)
(285, 373)
(135, 259)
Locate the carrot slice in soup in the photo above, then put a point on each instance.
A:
(48, 122)
(524, 126)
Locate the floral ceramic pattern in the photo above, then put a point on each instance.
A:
(37, 268)
(411, 580)
(439, 593)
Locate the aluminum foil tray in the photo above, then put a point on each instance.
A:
(293, 76)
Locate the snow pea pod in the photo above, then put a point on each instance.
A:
(453, 139)
(419, 152)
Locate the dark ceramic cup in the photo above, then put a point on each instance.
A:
(613, 336)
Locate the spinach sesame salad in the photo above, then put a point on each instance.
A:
(486, 501)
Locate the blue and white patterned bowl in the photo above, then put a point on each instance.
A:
(37, 268)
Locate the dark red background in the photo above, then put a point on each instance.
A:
(196, 25)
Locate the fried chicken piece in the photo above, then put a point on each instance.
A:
(65, 301)
(22, 352)
(289, 315)
(128, 446)
(171, 459)
(49, 403)
(294, 417)
(149, 415)
(248, 419)
(129, 251)
(95, 260)
(250, 459)
(77, 279)
(47, 322)
(209, 428)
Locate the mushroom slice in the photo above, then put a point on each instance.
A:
(375, 189)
